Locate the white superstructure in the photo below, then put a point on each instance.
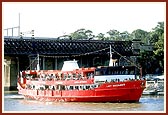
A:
(70, 65)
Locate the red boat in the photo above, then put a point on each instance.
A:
(101, 84)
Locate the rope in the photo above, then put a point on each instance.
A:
(126, 58)
(88, 53)
(31, 63)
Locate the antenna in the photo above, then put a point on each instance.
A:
(112, 61)
(12, 28)
(110, 53)
(38, 65)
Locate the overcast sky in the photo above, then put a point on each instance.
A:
(56, 19)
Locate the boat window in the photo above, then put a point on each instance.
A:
(64, 76)
(62, 87)
(90, 75)
(69, 76)
(51, 87)
(119, 70)
(98, 85)
(71, 88)
(77, 87)
(46, 86)
(98, 73)
(31, 76)
(109, 72)
(126, 72)
(42, 87)
(84, 87)
(57, 87)
(92, 86)
(74, 75)
(67, 87)
(87, 87)
(29, 86)
(132, 72)
(81, 87)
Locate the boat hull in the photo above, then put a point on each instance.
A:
(81, 99)
(108, 92)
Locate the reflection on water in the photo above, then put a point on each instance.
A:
(15, 102)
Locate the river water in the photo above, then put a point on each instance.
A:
(12, 102)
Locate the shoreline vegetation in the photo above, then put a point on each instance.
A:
(152, 62)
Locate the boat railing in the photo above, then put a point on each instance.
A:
(58, 79)
(59, 76)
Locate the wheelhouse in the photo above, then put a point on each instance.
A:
(114, 73)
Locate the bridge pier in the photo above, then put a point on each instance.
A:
(6, 77)
(56, 64)
(43, 63)
(10, 74)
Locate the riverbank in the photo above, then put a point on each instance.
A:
(11, 92)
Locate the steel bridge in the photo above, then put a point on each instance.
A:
(54, 47)
(19, 53)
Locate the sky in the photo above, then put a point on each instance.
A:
(55, 19)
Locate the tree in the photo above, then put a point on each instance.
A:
(140, 34)
(100, 36)
(159, 45)
(125, 36)
(114, 34)
(89, 34)
(153, 62)
(82, 34)
(157, 32)
(65, 37)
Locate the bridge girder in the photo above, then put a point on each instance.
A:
(54, 47)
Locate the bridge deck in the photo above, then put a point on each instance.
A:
(65, 47)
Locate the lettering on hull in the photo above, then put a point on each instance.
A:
(119, 85)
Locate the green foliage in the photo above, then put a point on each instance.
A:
(82, 34)
(159, 40)
(157, 33)
(153, 62)
(125, 36)
(159, 46)
(101, 36)
(140, 34)
(150, 61)
(114, 34)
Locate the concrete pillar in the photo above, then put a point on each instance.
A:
(55, 64)
(18, 67)
(43, 63)
(81, 62)
(13, 74)
(7, 74)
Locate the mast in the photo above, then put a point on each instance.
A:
(112, 61)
